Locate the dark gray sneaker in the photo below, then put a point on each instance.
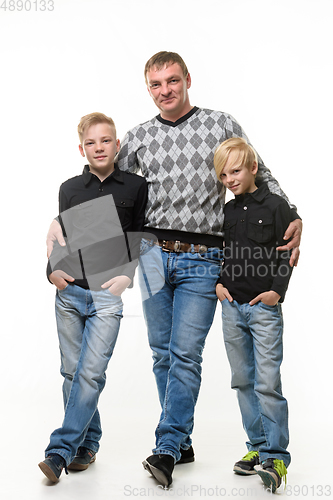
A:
(160, 467)
(187, 456)
(83, 459)
(245, 467)
(271, 472)
(52, 467)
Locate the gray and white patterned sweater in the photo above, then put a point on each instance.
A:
(177, 161)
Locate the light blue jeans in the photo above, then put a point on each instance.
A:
(253, 341)
(88, 324)
(179, 311)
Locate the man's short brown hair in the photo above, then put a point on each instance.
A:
(162, 59)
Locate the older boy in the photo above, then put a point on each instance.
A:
(252, 286)
(99, 210)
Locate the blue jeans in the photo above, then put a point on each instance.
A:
(178, 317)
(88, 324)
(253, 341)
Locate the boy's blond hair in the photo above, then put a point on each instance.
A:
(163, 58)
(92, 119)
(246, 154)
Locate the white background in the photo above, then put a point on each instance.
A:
(266, 62)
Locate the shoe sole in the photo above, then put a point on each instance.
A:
(185, 461)
(242, 472)
(75, 466)
(267, 478)
(48, 472)
(156, 473)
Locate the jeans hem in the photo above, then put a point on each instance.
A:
(60, 452)
(286, 459)
(91, 447)
(165, 452)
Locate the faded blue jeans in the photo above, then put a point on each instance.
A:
(253, 341)
(88, 324)
(179, 307)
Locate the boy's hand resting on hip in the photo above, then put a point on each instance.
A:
(117, 285)
(60, 279)
(270, 298)
(223, 293)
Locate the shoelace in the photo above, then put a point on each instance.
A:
(59, 461)
(250, 455)
(281, 470)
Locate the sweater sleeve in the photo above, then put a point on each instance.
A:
(264, 175)
(127, 158)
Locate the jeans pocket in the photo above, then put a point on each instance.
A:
(63, 289)
(266, 306)
(213, 255)
(145, 245)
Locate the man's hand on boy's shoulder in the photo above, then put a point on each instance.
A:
(60, 279)
(294, 233)
(54, 234)
(117, 285)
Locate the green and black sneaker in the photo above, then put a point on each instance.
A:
(271, 472)
(245, 466)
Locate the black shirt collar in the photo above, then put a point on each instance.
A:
(117, 175)
(258, 195)
(180, 120)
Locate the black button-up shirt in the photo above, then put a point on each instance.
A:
(254, 226)
(129, 197)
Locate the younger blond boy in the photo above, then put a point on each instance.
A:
(251, 288)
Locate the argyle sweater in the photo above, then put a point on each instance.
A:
(176, 158)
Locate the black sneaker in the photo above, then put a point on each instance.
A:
(271, 472)
(52, 467)
(187, 456)
(83, 459)
(245, 467)
(160, 467)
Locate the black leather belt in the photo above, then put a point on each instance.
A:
(179, 246)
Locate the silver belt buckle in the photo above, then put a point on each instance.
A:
(176, 246)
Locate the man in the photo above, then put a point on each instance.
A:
(175, 153)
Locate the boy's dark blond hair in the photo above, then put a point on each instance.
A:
(163, 58)
(246, 154)
(92, 119)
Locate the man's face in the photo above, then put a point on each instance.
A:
(99, 146)
(168, 87)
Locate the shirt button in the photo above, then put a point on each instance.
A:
(245, 208)
(260, 221)
(100, 189)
